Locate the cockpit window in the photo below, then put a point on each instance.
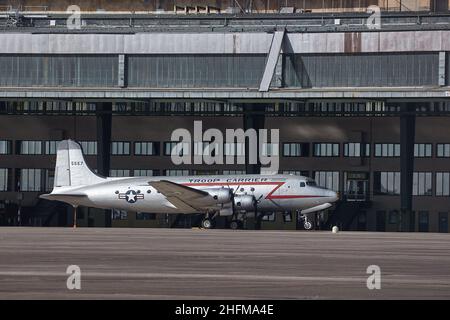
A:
(302, 184)
(311, 183)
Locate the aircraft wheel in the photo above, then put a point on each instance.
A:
(207, 224)
(234, 225)
(307, 225)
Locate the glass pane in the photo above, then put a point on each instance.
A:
(378, 150)
(446, 184)
(439, 189)
(397, 150)
(440, 150)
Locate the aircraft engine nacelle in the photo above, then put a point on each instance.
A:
(220, 196)
(244, 202)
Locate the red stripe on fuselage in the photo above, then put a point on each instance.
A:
(294, 196)
(270, 196)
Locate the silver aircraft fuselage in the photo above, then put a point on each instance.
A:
(75, 183)
(273, 192)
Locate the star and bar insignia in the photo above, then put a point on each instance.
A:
(131, 196)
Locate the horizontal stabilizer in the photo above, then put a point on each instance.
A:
(53, 196)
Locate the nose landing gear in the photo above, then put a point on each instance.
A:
(307, 224)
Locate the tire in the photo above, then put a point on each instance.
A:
(234, 225)
(307, 225)
(207, 224)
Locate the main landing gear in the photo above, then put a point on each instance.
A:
(236, 224)
(208, 222)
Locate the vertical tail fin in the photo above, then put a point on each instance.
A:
(71, 168)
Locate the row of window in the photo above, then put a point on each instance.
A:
(36, 147)
(394, 218)
(148, 148)
(423, 220)
(123, 215)
(42, 179)
(378, 108)
(385, 183)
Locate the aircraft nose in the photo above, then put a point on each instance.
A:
(333, 195)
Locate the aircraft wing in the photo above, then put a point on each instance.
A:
(180, 196)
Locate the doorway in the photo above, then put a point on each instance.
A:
(357, 187)
(381, 221)
(443, 222)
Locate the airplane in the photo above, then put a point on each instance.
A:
(238, 196)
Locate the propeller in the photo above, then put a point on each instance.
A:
(232, 195)
(255, 206)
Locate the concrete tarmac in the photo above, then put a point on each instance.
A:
(221, 264)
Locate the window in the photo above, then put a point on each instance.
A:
(422, 184)
(233, 172)
(326, 149)
(205, 172)
(295, 149)
(423, 150)
(30, 147)
(146, 148)
(85, 106)
(296, 172)
(5, 147)
(143, 173)
(443, 222)
(3, 179)
(386, 183)
(89, 147)
(145, 216)
(120, 148)
(356, 149)
(49, 179)
(361, 221)
(443, 150)
(393, 217)
(327, 179)
(387, 150)
(442, 183)
(30, 179)
(176, 172)
(270, 149)
(423, 221)
(206, 148)
(119, 173)
(287, 217)
(50, 147)
(234, 149)
(177, 147)
(119, 214)
(380, 220)
(311, 183)
(269, 217)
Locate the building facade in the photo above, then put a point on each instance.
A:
(363, 111)
(357, 155)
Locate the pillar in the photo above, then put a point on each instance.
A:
(104, 124)
(407, 138)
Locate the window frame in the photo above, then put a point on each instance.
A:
(121, 154)
(333, 145)
(388, 145)
(155, 148)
